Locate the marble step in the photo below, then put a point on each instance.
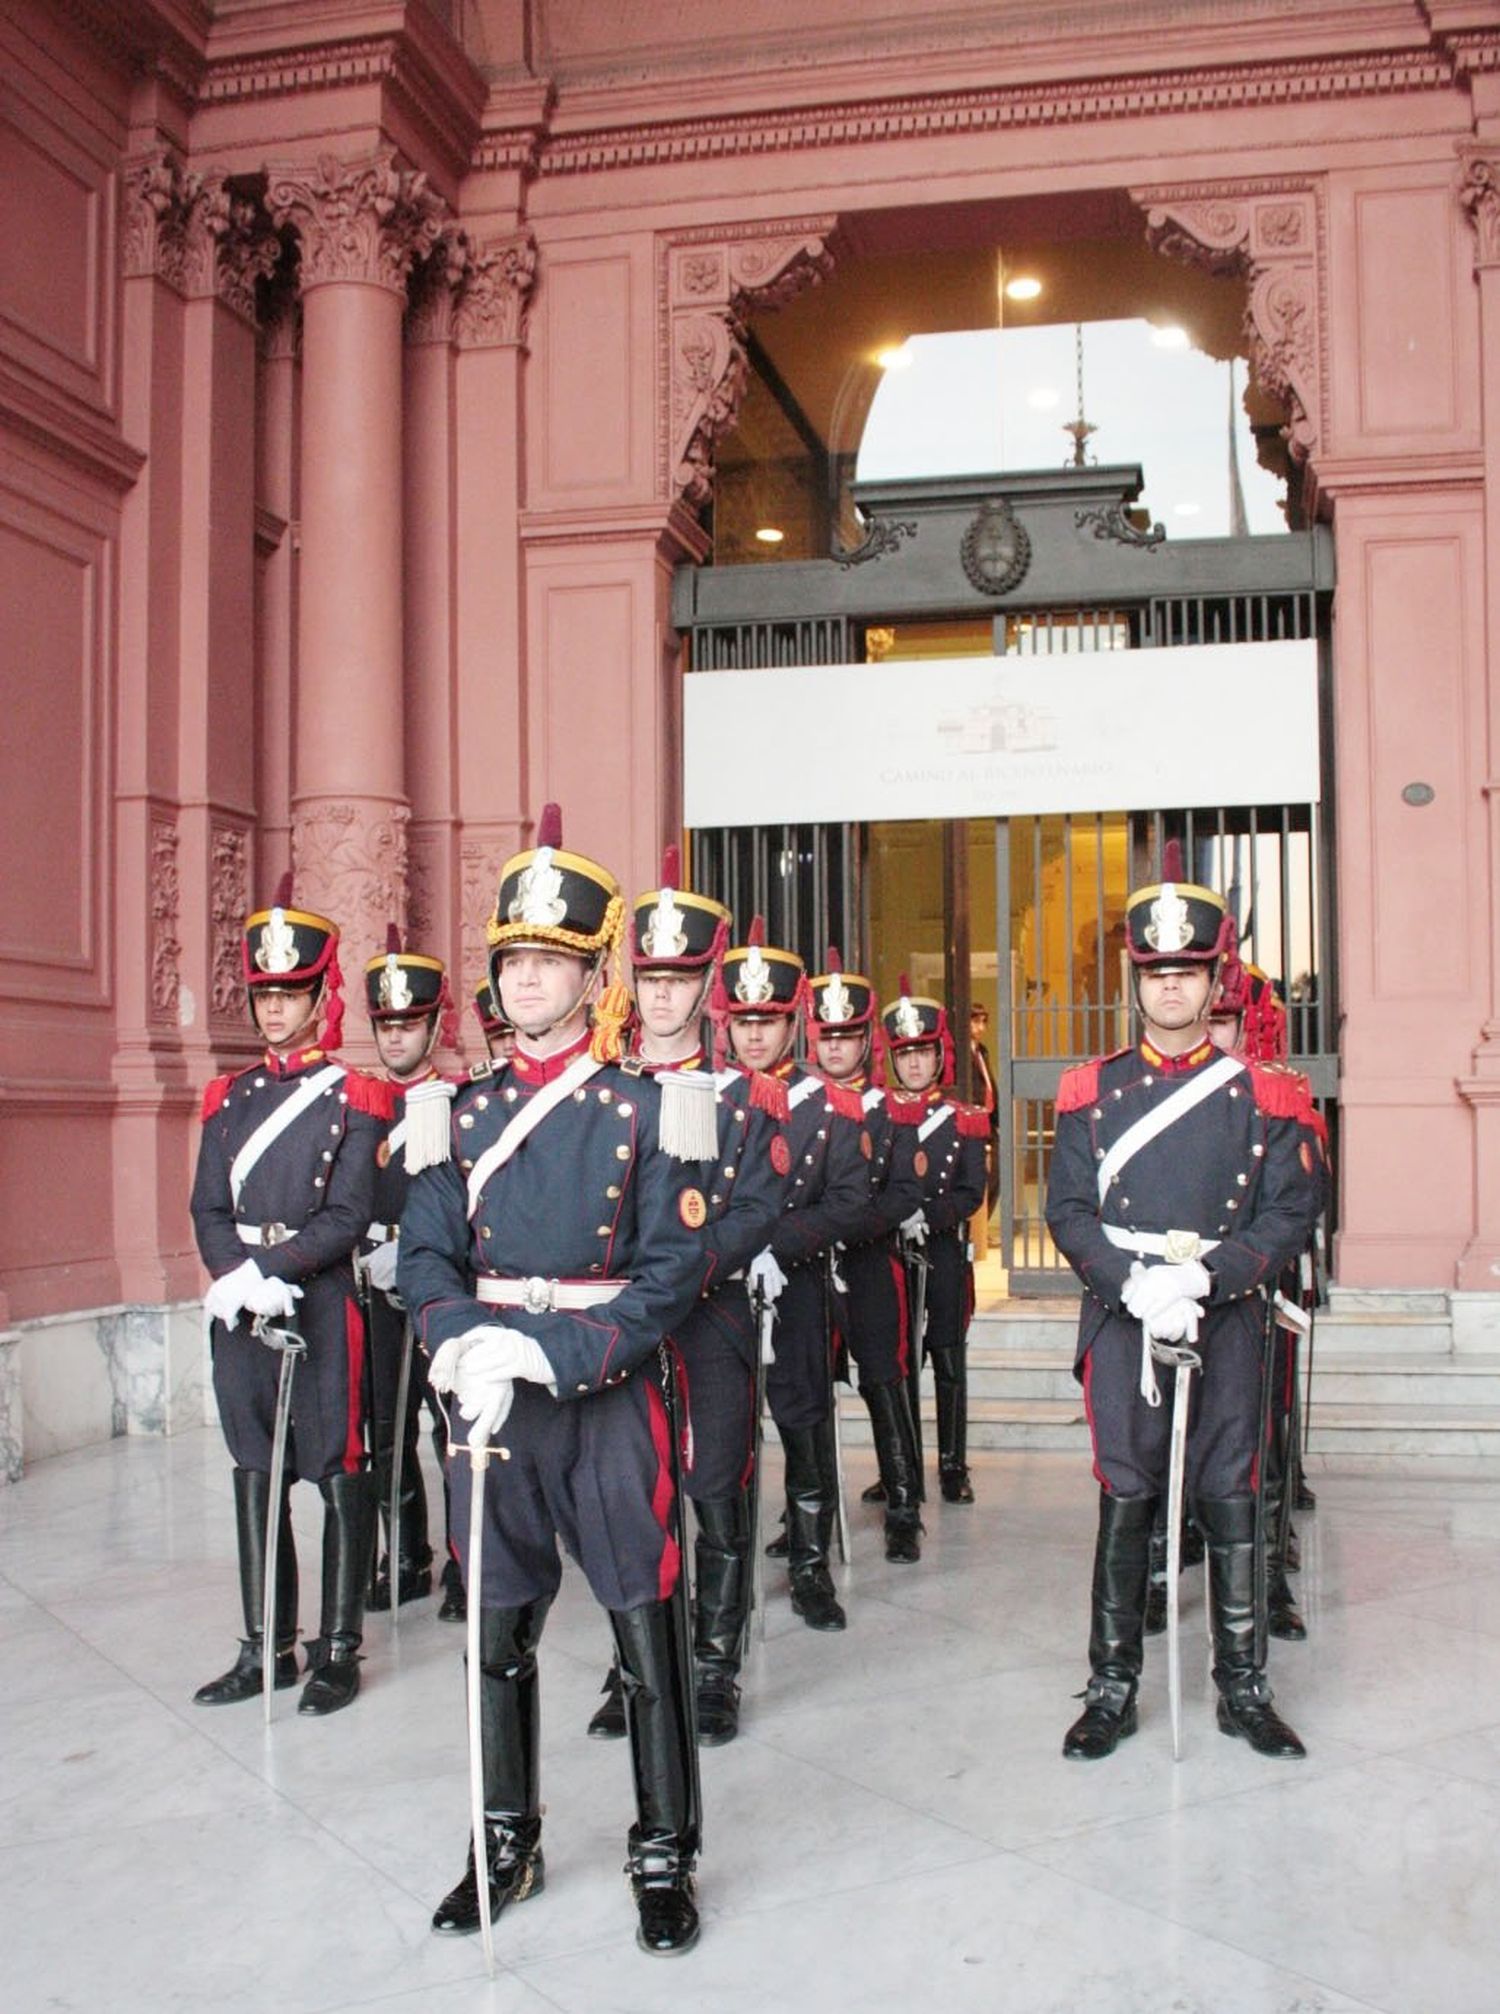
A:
(1405, 1325)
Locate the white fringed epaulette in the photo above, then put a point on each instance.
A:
(689, 1115)
(429, 1140)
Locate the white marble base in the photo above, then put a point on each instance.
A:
(71, 1380)
(1476, 1324)
(10, 1407)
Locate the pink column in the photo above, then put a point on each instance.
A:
(359, 228)
(1479, 1266)
(276, 535)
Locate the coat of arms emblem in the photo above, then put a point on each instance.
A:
(664, 935)
(996, 549)
(538, 897)
(277, 950)
(1170, 928)
(755, 985)
(395, 987)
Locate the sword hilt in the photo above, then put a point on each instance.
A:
(1176, 1356)
(275, 1337)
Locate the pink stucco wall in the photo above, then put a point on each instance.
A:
(355, 576)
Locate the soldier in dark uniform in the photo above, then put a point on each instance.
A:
(1178, 1190)
(874, 1316)
(950, 1162)
(283, 1194)
(827, 1194)
(544, 1260)
(499, 1035)
(410, 1009)
(733, 1121)
(1248, 1020)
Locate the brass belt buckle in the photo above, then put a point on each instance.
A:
(274, 1234)
(1180, 1246)
(536, 1296)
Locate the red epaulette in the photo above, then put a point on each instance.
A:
(904, 1109)
(768, 1094)
(848, 1104)
(1281, 1092)
(372, 1095)
(215, 1092)
(1079, 1086)
(973, 1122)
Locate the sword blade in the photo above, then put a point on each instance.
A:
(764, 1316)
(398, 1458)
(479, 1461)
(273, 1528)
(1175, 1480)
(914, 1362)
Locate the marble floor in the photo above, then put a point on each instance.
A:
(895, 1828)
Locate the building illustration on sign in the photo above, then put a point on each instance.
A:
(995, 726)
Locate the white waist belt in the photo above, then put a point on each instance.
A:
(381, 1234)
(262, 1235)
(1175, 1246)
(543, 1297)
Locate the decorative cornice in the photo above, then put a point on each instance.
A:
(1479, 195)
(64, 431)
(1251, 86)
(365, 220)
(1271, 232)
(711, 280)
(678, 534)
(495, 292)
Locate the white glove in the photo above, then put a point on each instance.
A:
(380, 1266)
(764, 1272)
(914, 1228)
(275, 1299)
(835, 1252)
(1150, 1290)
(227, 1295)
(484, 1382)
(1177, 1323)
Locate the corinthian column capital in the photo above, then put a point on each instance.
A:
(365, 221)
(1479, 193)
(496, 288)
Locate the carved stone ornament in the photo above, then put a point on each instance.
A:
(711, 285)
(479, 871)
(193, 231)
(496, 290)
(357, 220)
(1271, 234)
(349, 859)
(996, 549)
(433, 293)
(1112, 521)
(166, 909)
(1479, 193)
(229, 901)
(882, 535)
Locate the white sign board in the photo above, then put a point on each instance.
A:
(977, 737)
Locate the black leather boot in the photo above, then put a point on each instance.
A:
(950, 1384)
(721, 1610)
(1156, 1581)
(1122, 1559)
(777, 1548)
(1245, 1707)
(809, 1524)
(455, 1604)
(414, 1578)
(1282, 1618)
(348, 1531)
(663, 1843)
(608, 1723)
(252, 1494)
(896, 1452)
(509, 1737)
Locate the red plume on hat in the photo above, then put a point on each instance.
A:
(549, 825)
(392, 940)
(333, 1000)
(283, 896)
(1171, 861)
(671, 867)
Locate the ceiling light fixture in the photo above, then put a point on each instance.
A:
(1024, 287)
(770, 534)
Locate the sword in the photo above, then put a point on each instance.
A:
(398, 1457)
(479, 1461)
(1184, 1361)
(1263, 1453)
(291, 1345)
(917, 1266)
(764, 1311)
(840, 1505)
(682, 1612)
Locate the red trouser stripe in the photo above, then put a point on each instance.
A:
(354, 1348)
(903, 1317)
(1088, 1407)
(661, 1494)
